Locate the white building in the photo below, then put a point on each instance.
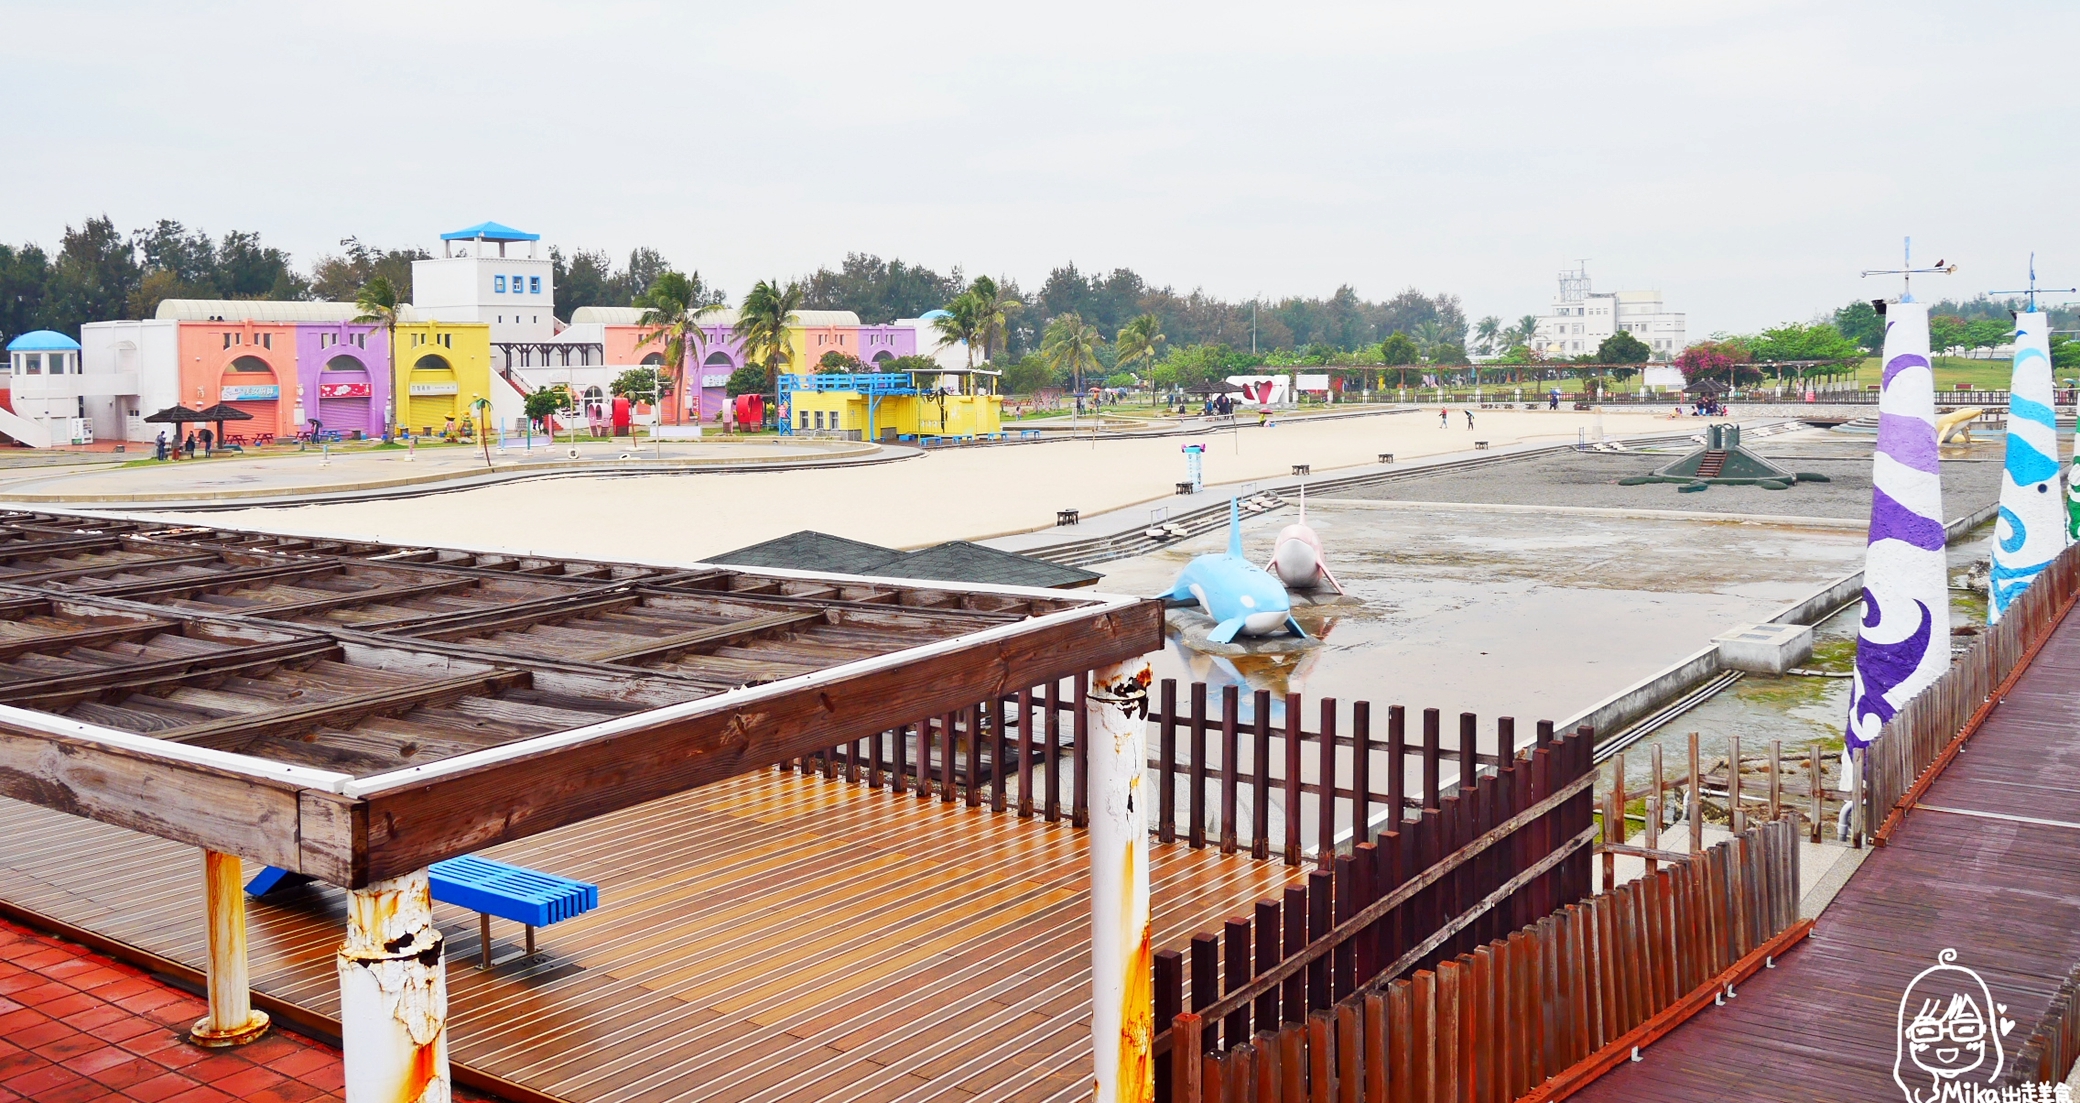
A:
(1581, 318)
(476, 281)
(50, 397)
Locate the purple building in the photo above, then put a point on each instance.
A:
(342, 377)
(880, 344)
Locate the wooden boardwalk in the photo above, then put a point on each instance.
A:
(767, 937)
(2001, 887)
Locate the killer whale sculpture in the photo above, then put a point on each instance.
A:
(1297, 559)
(1242, 598)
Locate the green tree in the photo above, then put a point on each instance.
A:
(1945, 332)
(993, 310)
(1859, 322)
(2065, 353)
(1136, 343)
(835, 361)
(1984, 333)
(1488, 333)
(749, 379)
(672, 309)
(1623, 348)
(908, 364)
(1070, 347)
(93, 277)
(547, 403)
(377, 304)
(762, 324)
(1028, 374)
(643, 384)
(335, 278)
(961, 320)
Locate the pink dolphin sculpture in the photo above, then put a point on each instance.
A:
(1297, 559)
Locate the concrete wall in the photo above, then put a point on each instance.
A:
(1627, 705)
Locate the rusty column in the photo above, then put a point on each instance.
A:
(231, 1020)
(393, 995)
(1122, 999)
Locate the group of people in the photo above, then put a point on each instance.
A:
(180, 448)
(1444, 417)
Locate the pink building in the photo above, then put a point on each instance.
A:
(250, 366)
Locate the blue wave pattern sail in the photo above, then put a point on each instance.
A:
(1903, 643)
(2032, 529)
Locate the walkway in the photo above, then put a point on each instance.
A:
(768, 937)
(1989, 865)
(78, 1026)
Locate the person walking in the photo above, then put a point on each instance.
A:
(208, 438)
(188, 446)
(1469, 419)
(1444, 416)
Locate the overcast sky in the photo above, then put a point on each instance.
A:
(1746, 158)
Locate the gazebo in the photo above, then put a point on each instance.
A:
(217, 414)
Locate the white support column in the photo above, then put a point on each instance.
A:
(231, 1020)
(393, 995)
(1122, 997)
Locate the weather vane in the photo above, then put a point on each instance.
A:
(2033, 290)
(1906, 272)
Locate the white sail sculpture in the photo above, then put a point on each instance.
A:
(2031, 531)
(1904, 643)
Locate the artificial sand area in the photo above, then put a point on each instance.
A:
(951, 495)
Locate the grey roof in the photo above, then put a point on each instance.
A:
(808, 550)
(961, 561)
(953, 561)
(265, 310)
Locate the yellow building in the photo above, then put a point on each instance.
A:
(441, 367)
(881, 406)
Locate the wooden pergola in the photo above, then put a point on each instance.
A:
(355, 711)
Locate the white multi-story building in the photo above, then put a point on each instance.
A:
(476, 281)
(1581, 318)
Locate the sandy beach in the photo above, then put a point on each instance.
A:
(957, 494)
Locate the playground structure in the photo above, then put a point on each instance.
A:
(958, 402)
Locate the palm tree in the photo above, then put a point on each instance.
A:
(762, 324)
(1527, 328)
(377, 305)
(673, 305)
(1488, 333)
(1070, 346)
(962, 321)
(1136, 342)
(993, 311)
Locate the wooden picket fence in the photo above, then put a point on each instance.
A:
(1928, 731)
(1528, 1016)
(1215, 772)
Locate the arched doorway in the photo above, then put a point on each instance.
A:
(431, 396)
(346, 397)
(883, 357)
(249, 385)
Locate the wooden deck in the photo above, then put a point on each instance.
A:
(768, 937)
(2001, 887)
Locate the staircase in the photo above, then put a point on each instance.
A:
(1713, 463)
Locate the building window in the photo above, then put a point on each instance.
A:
(498, 284)
(448, 340)
(534, 285)
(267, 340)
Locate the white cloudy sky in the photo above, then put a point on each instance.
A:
(1746, 157)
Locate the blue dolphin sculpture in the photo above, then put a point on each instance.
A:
(1240, 595)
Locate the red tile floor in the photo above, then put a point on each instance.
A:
(75, 1025)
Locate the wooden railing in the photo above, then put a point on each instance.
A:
(1217, 773)
(1929, 730)
(1527, 1016)
(1477, 862)
(2050, 1051)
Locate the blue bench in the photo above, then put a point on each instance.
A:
(489, 888)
